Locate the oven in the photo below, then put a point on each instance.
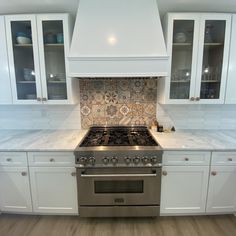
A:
(119, 191)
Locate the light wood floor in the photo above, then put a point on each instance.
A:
(21, 225)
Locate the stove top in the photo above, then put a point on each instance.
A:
(118, 136)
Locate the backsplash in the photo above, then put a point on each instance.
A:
(118, 101)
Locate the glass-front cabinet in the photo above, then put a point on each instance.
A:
(198, 46)
(37, 51)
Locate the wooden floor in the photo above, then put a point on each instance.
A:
(19, 225)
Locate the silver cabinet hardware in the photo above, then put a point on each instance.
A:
(197, 98)
(164, 173)
(213, 173)
(52, 160)
(186, 159)
(44, 99)
(23, 173)
(73, 174)
(9, 159)
(230, 159)
(39, 99)
(192, 99)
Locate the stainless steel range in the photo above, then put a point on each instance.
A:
(118, 172)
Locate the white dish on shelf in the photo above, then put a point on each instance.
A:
(23, 40)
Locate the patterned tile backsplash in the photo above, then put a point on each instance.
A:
(118, 101)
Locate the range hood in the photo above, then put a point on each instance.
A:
(118, 38)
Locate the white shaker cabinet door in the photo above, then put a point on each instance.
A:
(54, 190)
(5, 85)
(15, 190)
(184, 189)
(222, 190)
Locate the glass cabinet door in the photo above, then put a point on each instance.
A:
(182, 58)
(212, 62)
(53, 57)
(22, 53)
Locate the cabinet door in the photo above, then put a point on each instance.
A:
(213, 58)
(5, 85)
(184, 189)
(23, 58)
(15, 190)
(182, 48)
(54, 190)
(222, 190)
(53, 50)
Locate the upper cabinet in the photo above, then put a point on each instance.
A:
(5, 85)
(198, 46)
(38, 47)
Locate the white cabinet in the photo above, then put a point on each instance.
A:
(38, 47)
(231, 81)
(198, 46)
(15, 189)
(184, 189)
(54, 190)
(222, 190)
(5, 85)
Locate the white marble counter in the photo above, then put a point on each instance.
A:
(219, 140)
(40, 140)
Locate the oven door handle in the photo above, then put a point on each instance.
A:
(118, 175)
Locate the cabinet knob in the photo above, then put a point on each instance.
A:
(197, 98)
(186, 159)
(9, 159)
(73, 174)
(44, 99)
(164, 172)
(230, 159)
(23, 173)
(213, 173)
(192, 99)
(52, 160)
(39, 99)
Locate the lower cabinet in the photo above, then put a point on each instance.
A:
(184, 189)
(54, 190)
(222, 190)
(15, 190)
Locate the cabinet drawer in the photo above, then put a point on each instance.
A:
(183, 158)
(51, 159)
(224, 158)
(13, 159)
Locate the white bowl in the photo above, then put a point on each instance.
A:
(23, 40)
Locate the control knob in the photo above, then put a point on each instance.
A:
(105, 160)
(145, 160)
(91, 160)
(82, 160)
(127, 160)
(154, 160)
(136, 160)
(114, 160)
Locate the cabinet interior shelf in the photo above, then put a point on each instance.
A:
(190, 44)
(26, 82)
(57, 82)
(180, 81)
(210, 81)
(54, 45)
(23, 45)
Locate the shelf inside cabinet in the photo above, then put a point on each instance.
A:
(180, 81)
(57, 82)
(26, 82)
(210, 81)
(182, 44)
(213, 44)
(23, 45)
(54, 45)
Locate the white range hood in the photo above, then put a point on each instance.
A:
(117, 38)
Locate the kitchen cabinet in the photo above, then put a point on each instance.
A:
(5, 88)
(15, 190)
(53, 182)
(198, 45)
(38, 47)
(222, 191)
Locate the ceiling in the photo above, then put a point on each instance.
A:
(46, 6)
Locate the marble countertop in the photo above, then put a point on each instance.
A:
(40, 140)
(218, 140)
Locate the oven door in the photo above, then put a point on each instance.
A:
(119, 186)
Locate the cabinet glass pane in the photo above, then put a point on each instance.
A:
(182, 50)
(54, 59)
(212, 59)
(23, 60)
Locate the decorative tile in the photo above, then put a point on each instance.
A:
(111, 111)
(136, 97)
(85, 110)
(111, 97)
(111, 84)
(151, 83)
(98, 111)
(124, 110)
(123, 96)
(150, 95)
(98, 98)
(137, 110)
(150, 108)
(124, 84)
(138, 121)
(137, 85)
(98, 85)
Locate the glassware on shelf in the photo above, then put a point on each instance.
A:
(208, 36)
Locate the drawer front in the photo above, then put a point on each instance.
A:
(13, 159)
(51, 159)
(182, 158)
(224, 158)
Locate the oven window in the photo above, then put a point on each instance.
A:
(118, 186)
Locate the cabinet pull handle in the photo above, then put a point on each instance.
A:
(44, 99)
(52, 160)
(197, 98)
(230, 159)
(39, 99)
(192, 99)
(9, 159)
(23, 173)
(213, 173)
(186, 159)
(73, 174)
(164, 173)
